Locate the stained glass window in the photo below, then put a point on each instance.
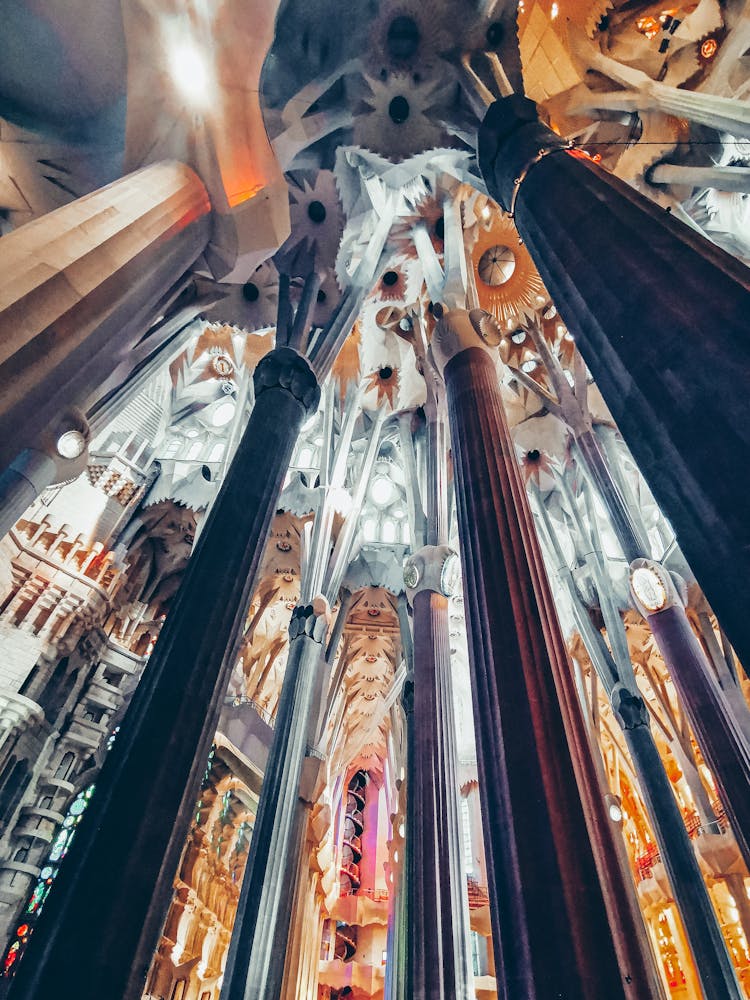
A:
(47, 876)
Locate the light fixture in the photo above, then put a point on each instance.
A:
(71, 444)
(411, 575)
(614, 807)
(223, 413)
(382, 491)
(189, 72)
(340, 499)
(648, 588)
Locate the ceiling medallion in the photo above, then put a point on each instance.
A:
(222, 365)
(496, 266)
(508, 283)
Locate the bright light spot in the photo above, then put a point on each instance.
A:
(223, 413)
(529, 366)
(615, 812)
(395, 856)
(370, 529)
(382, 491)
(398, 513)
(388, 533)
(71, 444)
(554, 11)
(486, 212)
(340, 499)
(402, 830)
(189, 72)
(192, 433)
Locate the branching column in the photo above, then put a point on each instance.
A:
(660, 316)
(255, 965)
(713, 964)
(117, 881)
(550, 930)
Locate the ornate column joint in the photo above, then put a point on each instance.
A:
(284, 368)
(630, 710)
(433, 568)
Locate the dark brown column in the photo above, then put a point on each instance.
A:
(436, 945)
(115, 887)
(550, 929)
(660, 316)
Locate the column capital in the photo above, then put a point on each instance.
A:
(654, 589)
(629, 708)
(284, 368)
(433, 568)
(459, 330)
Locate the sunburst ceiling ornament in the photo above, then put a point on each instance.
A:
(317, 225)
(430, 212)
(508, 284)
(392, 286)
(409, 37)
(399, 114)
(385, 383)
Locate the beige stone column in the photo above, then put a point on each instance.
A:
(78, 287)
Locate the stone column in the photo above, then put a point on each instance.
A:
(437, 964)
(659, 315)
(551, 934)
(722, 743)
(78, 287)
(117, 879)
(713, 964)
(720, 178)
(255, 964)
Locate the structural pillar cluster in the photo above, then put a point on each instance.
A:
(147, 788)
(659, 315)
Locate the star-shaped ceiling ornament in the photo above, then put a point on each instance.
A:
(385, 382)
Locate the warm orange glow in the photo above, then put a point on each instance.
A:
(648, 26)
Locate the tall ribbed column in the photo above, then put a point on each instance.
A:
(255, 964)
(660, 316)
(117, 881)
(712, 961)
(722, 743)
(550, 930)
(437, 966)
(78, 286)
(626, 921)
